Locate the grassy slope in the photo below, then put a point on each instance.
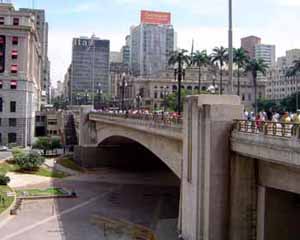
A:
(8, 200)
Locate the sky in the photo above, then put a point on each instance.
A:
(205, 21)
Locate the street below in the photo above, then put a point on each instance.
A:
(149, 199)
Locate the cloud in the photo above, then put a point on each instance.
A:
(290, 3)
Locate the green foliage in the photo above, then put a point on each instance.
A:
(30, 161)
(18, 153)
(55, 143)
(4, 180)
(265, 105)
(290, 103)
(46, 144)
(172, 99)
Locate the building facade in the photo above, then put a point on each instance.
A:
(154, 89)
(90, 69)
(151, 45)
(20, 75)
(42, 28)
(267, 53)
(249, 43)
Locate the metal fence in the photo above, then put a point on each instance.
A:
(150, 120)
(278, 129)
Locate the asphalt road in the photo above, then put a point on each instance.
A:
(138, 198)
(5, 155)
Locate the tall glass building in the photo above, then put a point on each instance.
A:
(152, 42)
(90, 69)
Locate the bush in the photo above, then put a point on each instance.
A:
(18, 153)
(4, 180)
(30, 162)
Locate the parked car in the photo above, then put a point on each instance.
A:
(3, 148)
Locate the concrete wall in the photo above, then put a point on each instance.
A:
(205, 177)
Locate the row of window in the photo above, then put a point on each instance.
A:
(12, 138)
(12, 105)
(13, 84)
(14, 41)
(12, 122)
(16, 21)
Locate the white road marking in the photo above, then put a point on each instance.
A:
(25, 229)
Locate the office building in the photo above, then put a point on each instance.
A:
(90, 69)
(20, 75)
(151, 43)
(249, 43)
(115, 57)
(42, 28)
(267, 53)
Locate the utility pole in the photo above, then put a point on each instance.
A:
(230, 50)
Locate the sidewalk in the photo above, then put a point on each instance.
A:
(18, 180)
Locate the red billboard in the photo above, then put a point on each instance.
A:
(152, 17)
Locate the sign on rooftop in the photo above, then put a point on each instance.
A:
(152, 17)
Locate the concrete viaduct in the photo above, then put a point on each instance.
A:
(237, 182)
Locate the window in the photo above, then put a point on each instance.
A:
(2, 20)
(1, 84)
(13, 106)
(155, 95)
(15, 40)
(12, 122)
(13, 84)
(0, 138)
(14, 54)
(0, 122)
(14, 68)
(16, 21)
(12, 137)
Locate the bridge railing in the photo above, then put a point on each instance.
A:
(150, 120)
(278, 129)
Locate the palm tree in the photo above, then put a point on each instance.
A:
(292, 72)
(179, 58)
(220, 56)
(255, 66)
(240, 58)
(200, 59)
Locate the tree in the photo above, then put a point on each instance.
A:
(219, 56)
(43, 143)
(179, 58)
(171, 99)
(55, 143)
(255, 66)
(240, 58)
(200, 59)
(293, 71)
(30, 161)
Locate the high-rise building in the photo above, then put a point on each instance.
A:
(151, 43)
(249, 43)
(42, 28)
(20, 75)
(267, 53)
(115, 57)
(90, 69)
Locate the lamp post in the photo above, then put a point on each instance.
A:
(123, 85)
(138, 101)
(230, 50)
(100, 92)
(165, 94)
(179, 73)
(86, 97)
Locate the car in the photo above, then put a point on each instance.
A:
(3, 148)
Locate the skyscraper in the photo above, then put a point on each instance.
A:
(249, 43)
(90, 68)
(20, 78)
(42, 28)
(151, 43)
(267, 53)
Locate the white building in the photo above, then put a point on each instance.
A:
(267, 53)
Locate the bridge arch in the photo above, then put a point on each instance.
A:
(167, 150)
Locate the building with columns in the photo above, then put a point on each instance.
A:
(20, 75)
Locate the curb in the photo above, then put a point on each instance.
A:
(6, 213)
(45, 197)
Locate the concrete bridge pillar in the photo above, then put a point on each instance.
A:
(206, 170)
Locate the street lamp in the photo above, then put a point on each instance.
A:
(179, 73)
(230, 50)
(165, 94)
(123, 85)
(138, 101)
(99, 93)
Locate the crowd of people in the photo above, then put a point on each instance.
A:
(270, 116)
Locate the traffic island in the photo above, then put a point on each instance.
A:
(35, 194)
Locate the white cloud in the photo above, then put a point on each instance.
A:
(290, 3)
